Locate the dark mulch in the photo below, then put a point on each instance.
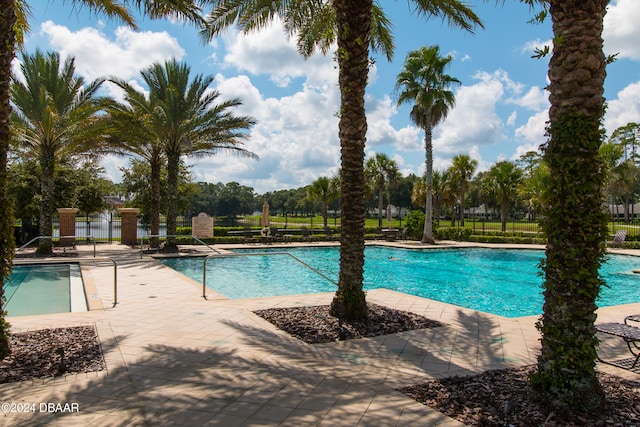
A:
(314, 325)
(481, 400)
(52, 352)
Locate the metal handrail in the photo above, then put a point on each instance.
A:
(59, 237)
(68, 261)
(231, 255)
(172, 235)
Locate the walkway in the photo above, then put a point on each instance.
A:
(174, 358)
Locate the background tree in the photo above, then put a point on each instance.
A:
(628, 136)
(401, 192)
(534, 181)
(135, 181)
(56, 116)
(236, 199)
(189, 121)
(505, 178)
(324, 190)
(574, 221)
(423, 82)
(132, 133)
(462, 170)
(356, 25)
(380, 172)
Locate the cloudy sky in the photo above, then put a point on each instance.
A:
(501, 106)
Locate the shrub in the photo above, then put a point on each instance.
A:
(415, 225)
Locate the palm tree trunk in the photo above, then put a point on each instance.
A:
(353, 18)
(462, 191)
(7, 244)
(504, 213)
(154, 207)
(427, 236)
(566, 376)
(325, 213)
(173, 165)
(47, 188)
(380, 205)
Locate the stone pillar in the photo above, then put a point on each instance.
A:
(129, 226)
(67, 225)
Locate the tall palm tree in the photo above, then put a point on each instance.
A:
(381, 171)
(565, 375)
(56, 115)
(325, 190)
(462, 170)
(357, 26)
(8, 21)
(422, 81)
(188, 120)
(132, 131)
(505, 178)
(13, 23)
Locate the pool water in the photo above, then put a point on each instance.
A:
(44, 289)
(502, 282)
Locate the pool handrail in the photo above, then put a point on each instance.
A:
(77, 260)
(231, 255)
(59, 237)
(142, 238)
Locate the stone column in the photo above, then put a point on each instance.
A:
(129, 226)
(67, 225)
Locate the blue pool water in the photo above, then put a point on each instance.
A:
(503, 282)
(44, 289)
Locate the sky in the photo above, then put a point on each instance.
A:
(500, 111)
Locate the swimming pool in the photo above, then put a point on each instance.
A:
(499, 281)
(43, 289)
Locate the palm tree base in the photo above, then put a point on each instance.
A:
(353, 308)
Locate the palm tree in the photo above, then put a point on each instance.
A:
(381, 171)
(462, 170)
(422, 81)
(55, 116)
(357, 26)
(574, 221)
(132, 132)
(325, 190)
(13, 23)
(505, 178)
(188, 121)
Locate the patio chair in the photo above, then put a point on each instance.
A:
(631, 336)
(620, 236)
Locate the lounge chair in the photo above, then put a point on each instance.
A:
(620, 236)
(631, 336)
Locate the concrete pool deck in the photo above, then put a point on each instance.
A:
(174, 358)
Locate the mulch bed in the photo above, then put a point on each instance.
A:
(314, 324)
(49, 353)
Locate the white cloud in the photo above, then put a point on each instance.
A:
(533, 132)
(96, 55)
(535, 99)
(621, 31)
(473, 121)
(271, 52)
(531, 46)
(624, 109)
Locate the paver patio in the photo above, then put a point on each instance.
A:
(175, 358)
